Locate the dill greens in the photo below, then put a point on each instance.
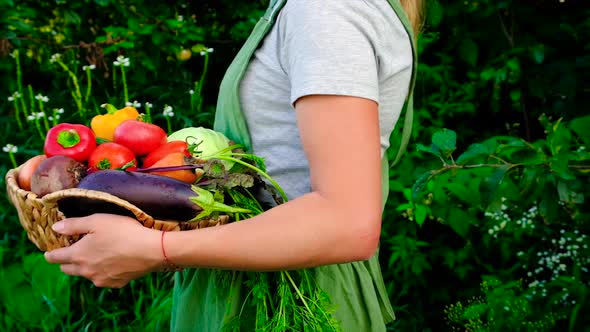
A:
(275, 301)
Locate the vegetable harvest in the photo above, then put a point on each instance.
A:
(192, 175)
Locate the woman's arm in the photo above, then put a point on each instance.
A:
(339, 221)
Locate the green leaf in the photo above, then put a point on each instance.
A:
(430, 149)
(559, 164)
(126, 44)
(469, 51)
(174, 23)
(459, 221)
(445, 140)
(435, 13)
(207, 202)
(72, 17)
(158, 38)
(214, 169)
(567, 195)
(463, 193)
(239, 180)
(473, 151)
(538, 54)
(513, 64)
(489, 186)
(580, 126)
(420, 213)
(559, 139)
(515, 95)
(420, 184)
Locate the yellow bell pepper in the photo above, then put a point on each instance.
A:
(104, 126)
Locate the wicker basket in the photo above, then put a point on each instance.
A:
(37, 215)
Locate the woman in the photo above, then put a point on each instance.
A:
(316, 91)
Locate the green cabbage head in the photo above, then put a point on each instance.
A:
(211, 141)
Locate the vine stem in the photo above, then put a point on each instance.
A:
(455, 166)
(19, 82)
(124, 79)
(76, 93)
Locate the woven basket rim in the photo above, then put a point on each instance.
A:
(54, 197)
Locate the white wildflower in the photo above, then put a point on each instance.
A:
(180, 18)
(31, 117)
(168, 111)
(136, 104)
(42, 98)
(148, 104)
(10, 148)
(54, 58)
(128, 104)
(191, 92)
(121, 61)
(59, 111)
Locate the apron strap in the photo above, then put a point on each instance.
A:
(229, 118)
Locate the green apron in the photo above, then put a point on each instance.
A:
(201, 300)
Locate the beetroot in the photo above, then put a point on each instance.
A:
(56, 173)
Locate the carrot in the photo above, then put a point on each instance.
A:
(177, 159)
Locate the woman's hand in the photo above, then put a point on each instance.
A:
(114, 250)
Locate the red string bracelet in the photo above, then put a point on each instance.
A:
(168, 265)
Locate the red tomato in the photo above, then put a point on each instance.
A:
(164, 150)
(111, 156)
(140, 137)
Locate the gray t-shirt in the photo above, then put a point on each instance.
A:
(336, 47)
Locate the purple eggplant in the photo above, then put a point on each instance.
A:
(161, 197)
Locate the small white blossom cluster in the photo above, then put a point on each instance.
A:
(56, 116)
(90, 67)
(42, 98)
(121, 61)
(135, 104)
(180, 18)
(10, 148)
(148, 104)
(34, 116)
(503, 220)
(207, 50)
(570, 250)
(54, 58)
(168, 111)
(191, 92)
(14, 96)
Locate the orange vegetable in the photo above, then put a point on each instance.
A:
(25, 173)
(177, 159)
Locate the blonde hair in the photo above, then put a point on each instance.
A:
(414, 9)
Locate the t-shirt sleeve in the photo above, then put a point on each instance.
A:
(329, 48)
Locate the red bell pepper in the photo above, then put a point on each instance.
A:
(71, 140)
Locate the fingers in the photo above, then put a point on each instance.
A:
(71, 269)
(74, 226)
(60, 256)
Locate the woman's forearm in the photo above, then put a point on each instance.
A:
(308, 231)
